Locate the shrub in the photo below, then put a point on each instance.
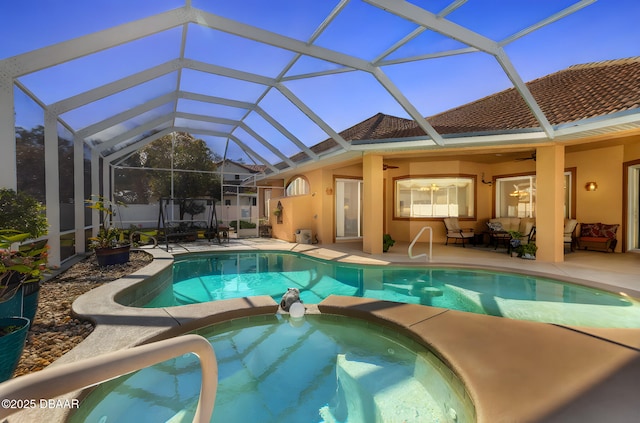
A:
(243, 224)
(23, 213)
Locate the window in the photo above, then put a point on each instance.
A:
(433, 197)
(298, 186)
(516, 196)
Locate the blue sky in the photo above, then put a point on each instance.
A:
(607, 29)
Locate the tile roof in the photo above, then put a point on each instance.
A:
(378, 126)
(578, 92)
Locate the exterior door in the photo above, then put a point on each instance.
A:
(348, 208)
(633, 208)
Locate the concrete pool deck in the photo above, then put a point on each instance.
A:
(513, 370)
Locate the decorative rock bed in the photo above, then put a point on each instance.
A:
(55, 331)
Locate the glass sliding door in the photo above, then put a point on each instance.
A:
(633, 211)
(348, 209)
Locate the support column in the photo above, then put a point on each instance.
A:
(52, 177)
(78, 194)
(550, 203)
(8, 167)
(95, 189)
(372, 205)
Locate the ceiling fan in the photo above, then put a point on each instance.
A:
(386, 166)
(532, 157)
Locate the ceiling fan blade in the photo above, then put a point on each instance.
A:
(532, 157)
(386, 166)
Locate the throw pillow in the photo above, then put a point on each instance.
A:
(495, 226)
(608, 231)
(590, 229)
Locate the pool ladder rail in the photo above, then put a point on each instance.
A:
(428, 256)
(60, 380)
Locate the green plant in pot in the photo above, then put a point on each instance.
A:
(528, 251)
(110, 244)
(387, 242)
(516, 238)
(13, 335)
(516, 241)
(18, 269)
(23, 261)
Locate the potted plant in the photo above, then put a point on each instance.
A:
(18, 269)
(13, 335)
(515, 242)
(22, 218)
(110, 244)
(387, 242)
(528, 251)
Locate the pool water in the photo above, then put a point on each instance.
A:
(273, 369)
(202, 278)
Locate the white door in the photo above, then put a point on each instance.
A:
(348, 208)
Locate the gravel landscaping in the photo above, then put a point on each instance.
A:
(55, 331)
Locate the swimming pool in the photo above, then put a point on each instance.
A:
(216, 276)
(277, 369)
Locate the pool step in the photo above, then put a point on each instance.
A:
(373, 392)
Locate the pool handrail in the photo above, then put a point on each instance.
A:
(59, 380)
(410, 251)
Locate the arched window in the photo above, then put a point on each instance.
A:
(298, 186)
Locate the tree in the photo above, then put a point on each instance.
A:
(30, 161)
(193, 162)
(22, 212)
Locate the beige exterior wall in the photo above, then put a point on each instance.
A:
(632, 148)
(597, 162)
(603, 166)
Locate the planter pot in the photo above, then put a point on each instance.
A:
(24, 302)
(112, 256)
(30, 299)
(12, 306)
(12, 345)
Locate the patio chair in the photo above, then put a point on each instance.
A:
(569, 233)
(455, 231)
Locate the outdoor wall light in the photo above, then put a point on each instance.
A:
(591, 186)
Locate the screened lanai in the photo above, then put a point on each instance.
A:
(272, 86)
